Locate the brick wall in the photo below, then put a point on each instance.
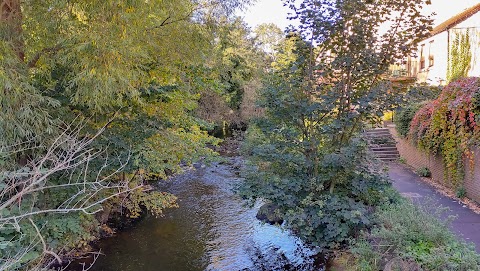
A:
(472, 177)
(418, 159)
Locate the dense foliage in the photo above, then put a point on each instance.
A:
(404, 116)
(448, 126)
(413, 99)
(96, 99)
(229, 94)
(326, 81)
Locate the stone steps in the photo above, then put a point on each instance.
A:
(377, 134)
(384, 148)
(382, 144)
(385, 152)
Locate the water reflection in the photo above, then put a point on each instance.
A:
(210, 231)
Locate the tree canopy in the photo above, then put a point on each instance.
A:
(328, 80)
(97, 98)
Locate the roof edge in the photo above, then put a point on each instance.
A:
(455, 20)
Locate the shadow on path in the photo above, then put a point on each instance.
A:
(467, 223)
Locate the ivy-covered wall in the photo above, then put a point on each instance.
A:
(460, 53)
(417, 159)
(449, 126)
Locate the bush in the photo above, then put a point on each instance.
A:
(422, 93)
(388, 116)
(424, 172)
(413, 234)
(461, 192)
(448, 126)
(319, 217)
(404, 116)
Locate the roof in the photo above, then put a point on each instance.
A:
(462, 16)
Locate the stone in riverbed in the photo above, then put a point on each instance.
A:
(267, 213)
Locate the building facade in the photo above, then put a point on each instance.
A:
(453, 48)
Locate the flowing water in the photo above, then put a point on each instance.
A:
(211, 230)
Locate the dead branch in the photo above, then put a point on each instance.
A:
(70, 155)
(45, 250)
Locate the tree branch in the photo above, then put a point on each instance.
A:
(45, 250)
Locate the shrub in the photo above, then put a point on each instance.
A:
(423, 92)
(318, 216)
(412, 233)
(404, 116)
(424, 172)
(461, 192)
(388, 116)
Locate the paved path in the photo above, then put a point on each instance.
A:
(467, 224)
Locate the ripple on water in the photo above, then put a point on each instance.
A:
(211, 230)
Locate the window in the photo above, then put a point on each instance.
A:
(422, 57)
(409, 66)
(431, 59)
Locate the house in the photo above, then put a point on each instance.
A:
(453, 48)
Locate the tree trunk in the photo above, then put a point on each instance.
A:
(11, 21)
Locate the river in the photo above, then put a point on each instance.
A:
(211, 230)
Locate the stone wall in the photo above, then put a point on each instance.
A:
(418, 159)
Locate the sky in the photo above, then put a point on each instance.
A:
(267, 11)
(272, 11)
(448, 8)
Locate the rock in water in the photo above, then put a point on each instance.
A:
(267, 213)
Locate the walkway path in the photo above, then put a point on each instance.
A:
(467, 224)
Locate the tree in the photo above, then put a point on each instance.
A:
(327, 81)
(237, 64)
(123, 67)
(107, 51)
(269, 37)
(27, 219)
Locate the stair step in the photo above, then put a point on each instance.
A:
(383, 148)
(388, 159)
(378, 135)
(377, 130)
(388, 156)
(387, 152)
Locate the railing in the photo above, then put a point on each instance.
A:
(399, 72)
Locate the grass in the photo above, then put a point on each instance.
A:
(413, 236)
